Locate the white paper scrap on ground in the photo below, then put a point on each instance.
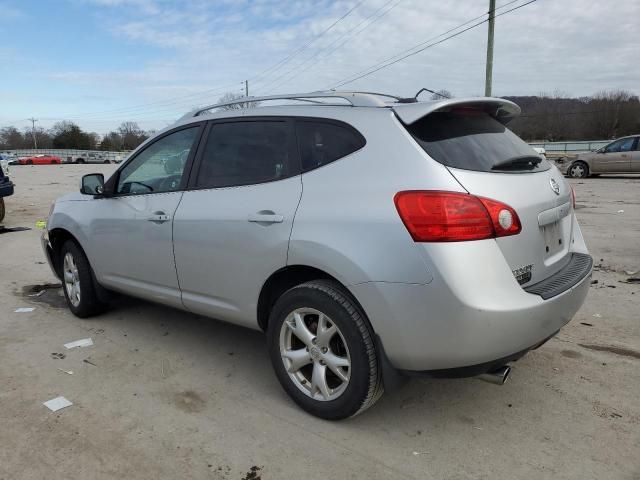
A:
(57, 403)
(85, 342)
(24, 309)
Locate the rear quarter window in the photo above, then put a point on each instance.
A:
(473, 140)
(323, 142)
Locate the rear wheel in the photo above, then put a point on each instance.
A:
(29, 162)
(107, 161)
(322, 351)
(2, 210)
(79, 160)
(77, 282)
(579, 170)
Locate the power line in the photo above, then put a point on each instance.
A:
(172, 101)
(291, 56)
(299, 70)
(179, 100)
(387, 63)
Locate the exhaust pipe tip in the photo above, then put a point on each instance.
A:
(497, 376)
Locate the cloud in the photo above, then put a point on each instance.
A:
(575, 46)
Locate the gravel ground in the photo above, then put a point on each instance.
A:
(167, 394)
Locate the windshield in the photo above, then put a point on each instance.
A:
(473, 140)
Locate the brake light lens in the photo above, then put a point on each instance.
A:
(437, 216)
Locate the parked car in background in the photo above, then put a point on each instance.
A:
(40, 160)
(8, 159)
(368, 237)
(620, 156)
(6, 186)
(91, 157)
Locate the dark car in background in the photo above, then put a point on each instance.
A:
(6, 188)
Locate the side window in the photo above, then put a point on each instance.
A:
(245, 153)
(623, 145)
(637, 144)
(159, 167)
(323, 142)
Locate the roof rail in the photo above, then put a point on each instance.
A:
(356, 99)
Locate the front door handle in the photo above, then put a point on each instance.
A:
(158, 217)
(265, 216)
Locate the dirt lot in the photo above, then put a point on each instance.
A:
(172, 395)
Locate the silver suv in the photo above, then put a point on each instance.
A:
(367, 235)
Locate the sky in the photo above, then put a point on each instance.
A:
(101, 62)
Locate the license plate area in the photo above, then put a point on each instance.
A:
(553, 239)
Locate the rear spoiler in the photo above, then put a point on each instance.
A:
(502, 110)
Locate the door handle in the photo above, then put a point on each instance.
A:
(265, 216)
(158, 217)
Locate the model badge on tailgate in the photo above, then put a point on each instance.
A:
(523, 274)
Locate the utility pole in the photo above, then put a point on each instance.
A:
(246, 88)
(489, 71)
(33, 131)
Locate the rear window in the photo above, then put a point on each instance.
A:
(473, 140)
(325, 142)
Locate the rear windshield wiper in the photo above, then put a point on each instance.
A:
(523, 162)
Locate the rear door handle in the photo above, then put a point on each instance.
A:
(158, 217)
(266, 216)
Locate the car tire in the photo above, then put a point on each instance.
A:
(107, 161)
(79, 160)
(578, 170)
(77, 282)
(29, 162)
(2, 209)
(337, 374)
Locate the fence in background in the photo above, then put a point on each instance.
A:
(72, 155)
(571, 147)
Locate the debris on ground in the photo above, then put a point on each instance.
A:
(86, 360)
(84, 342)
(58, 356)
(420, 453)
(57, 403)
(41, 224)
(68, 372)
(631, 280)
(24, 310)
(252, 474)
(586, 324)
(597, 315)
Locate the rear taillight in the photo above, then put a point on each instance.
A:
(436, 216)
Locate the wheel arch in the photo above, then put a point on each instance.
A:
(292, 275)
(57, 238)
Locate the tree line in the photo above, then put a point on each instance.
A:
(68, 135)
(558, 117)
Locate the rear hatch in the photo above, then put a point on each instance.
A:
(470, 138)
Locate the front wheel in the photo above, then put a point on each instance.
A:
(77, 282)
(579, 170)
(322, 351)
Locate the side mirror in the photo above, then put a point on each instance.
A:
(92, 184)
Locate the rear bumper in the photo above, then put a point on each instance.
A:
(472, 325)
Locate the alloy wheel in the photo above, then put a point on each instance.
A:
(315, 354)
(71, 279)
